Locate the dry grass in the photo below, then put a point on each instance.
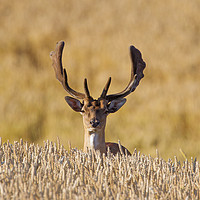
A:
(164, 111)
(31, 171)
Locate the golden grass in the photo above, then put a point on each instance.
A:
(163, 112)
(30, 171)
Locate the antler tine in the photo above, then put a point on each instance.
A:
(105, 90)
(61, 74)
(138, 66)
(87, 93)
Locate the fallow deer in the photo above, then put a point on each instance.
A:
(95, 111)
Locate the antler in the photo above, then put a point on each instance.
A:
(105, 90)
(138, 66)
(61, 74)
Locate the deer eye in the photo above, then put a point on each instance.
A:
(89, 104)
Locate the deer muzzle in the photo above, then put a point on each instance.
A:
(94, 122)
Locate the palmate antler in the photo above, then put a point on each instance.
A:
(61, 73)
(138, 66)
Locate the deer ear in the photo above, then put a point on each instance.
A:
(115, 105)
(75, 104)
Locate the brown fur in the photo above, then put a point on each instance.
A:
(114, 148)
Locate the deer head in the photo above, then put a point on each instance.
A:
(95, 111)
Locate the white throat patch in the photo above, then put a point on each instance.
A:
(94, 140)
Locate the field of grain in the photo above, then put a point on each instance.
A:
(29, 171)
(163, 113)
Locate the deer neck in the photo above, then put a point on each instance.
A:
(94, 139)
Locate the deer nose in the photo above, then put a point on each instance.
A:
(94, 122)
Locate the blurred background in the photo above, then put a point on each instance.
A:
(163, 112)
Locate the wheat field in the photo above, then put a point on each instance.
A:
(30, 171)
(163, 113)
